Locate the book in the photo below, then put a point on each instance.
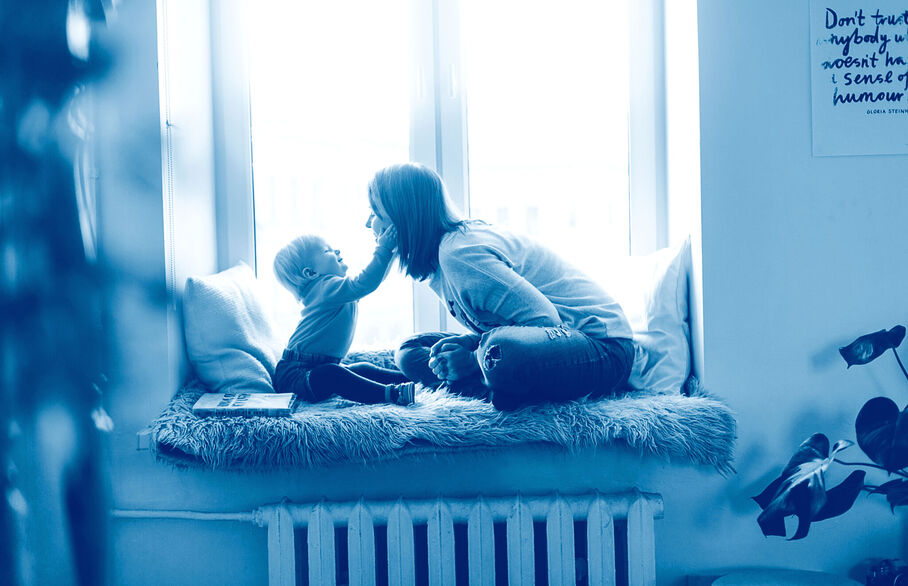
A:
(245, 404)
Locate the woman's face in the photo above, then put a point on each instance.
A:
(378, 220)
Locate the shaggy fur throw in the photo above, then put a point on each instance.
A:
(696, 429)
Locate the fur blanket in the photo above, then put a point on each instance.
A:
(696, 429)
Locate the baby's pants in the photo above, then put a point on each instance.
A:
(314, 378)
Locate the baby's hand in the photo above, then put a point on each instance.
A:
(388, 238)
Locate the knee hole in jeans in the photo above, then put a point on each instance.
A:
(491, 357)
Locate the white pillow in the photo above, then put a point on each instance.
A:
(653, 291)
(229, 337)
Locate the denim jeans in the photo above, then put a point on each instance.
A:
(523, 365)
(315, 377)
(291, 375)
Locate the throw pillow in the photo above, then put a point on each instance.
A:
(229, 336)
(653, 291)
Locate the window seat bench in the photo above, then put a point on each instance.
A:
(694, 428)
(587, 475)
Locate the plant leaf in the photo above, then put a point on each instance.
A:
(808, 498)
(764, 498)
(896, 492)
(801, 489)
(882, 433)
(869, 347)
(886, 487)
(842, 497)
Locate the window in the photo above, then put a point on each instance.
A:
(329, 98)
(547, 122)
(530, 114)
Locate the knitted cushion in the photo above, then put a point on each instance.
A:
(229, 337)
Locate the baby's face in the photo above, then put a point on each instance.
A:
(327, 261)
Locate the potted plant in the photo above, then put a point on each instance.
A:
(881, 430)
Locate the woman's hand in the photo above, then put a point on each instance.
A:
(468, 341)
(454, 358)
(388, 238)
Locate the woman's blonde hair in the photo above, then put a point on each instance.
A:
(292, 260)
(416, 201)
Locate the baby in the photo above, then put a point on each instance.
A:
(315, 273)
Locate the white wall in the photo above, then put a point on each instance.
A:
(156, 229)
(800, 256)
(131, 219)
(156, 195)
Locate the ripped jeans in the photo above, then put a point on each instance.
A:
(524, 365)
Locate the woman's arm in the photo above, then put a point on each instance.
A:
(488, 284)
(454, 357)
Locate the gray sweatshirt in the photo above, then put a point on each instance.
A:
(330, 307)
(489, 277)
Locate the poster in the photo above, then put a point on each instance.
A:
(859, 77)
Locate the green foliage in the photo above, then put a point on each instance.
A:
(882, 433)
(52, 299)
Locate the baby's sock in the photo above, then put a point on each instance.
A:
(401, 394)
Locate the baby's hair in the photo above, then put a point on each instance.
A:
(290, 261)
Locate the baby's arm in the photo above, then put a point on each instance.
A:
(345, 289)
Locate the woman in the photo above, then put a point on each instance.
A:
(543, 331)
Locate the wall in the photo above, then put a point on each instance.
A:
(131, 221)
(151, 205)
(156, 196)
(800, 256)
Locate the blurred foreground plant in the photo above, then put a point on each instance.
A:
(882, 433)
(53, 321)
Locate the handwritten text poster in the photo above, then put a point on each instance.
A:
(859, 77)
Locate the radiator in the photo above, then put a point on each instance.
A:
(430, 541)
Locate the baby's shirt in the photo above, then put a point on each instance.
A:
(330, 306)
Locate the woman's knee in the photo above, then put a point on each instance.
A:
(500, 354)
(412, 357)
(544, 361)
(420, 341)
(411, 353)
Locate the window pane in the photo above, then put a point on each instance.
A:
(330, 101)
(547, 106)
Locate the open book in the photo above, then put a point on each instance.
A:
(245, 404)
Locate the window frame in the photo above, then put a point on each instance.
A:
(234, 197)
(438, 132)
